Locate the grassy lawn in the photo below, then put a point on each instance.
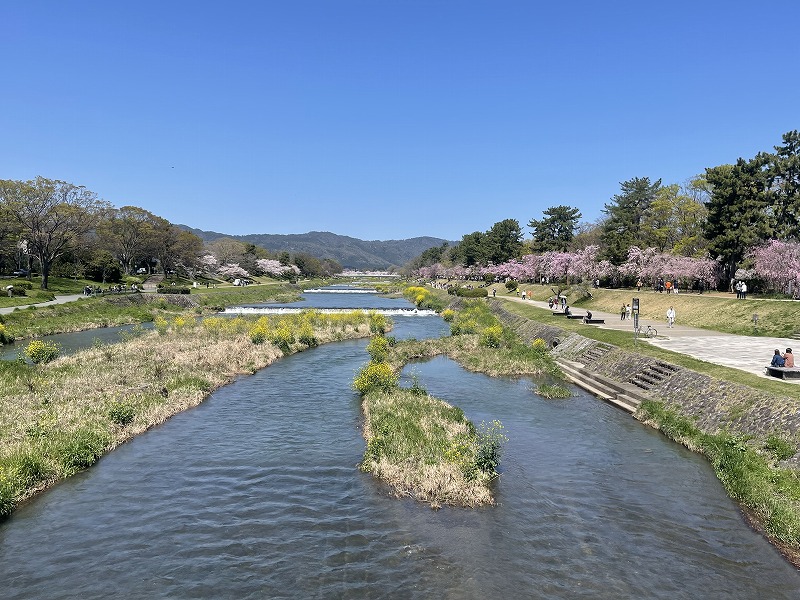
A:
(715, 311)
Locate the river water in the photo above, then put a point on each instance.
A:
(256, 494)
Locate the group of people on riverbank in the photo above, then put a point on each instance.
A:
(782, 360)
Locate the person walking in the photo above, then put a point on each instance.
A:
(670, 317)
(628, 311)
(622, 313)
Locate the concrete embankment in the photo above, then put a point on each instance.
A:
(626, 378)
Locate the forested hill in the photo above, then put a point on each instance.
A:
(351, 253)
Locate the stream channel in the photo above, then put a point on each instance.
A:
(256, 493)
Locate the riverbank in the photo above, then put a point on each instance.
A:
(750, 436)
(126, 309)
(59, 418)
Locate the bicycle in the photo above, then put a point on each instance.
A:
(648, 332)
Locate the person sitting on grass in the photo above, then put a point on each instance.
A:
(788, 358)
(777, 360)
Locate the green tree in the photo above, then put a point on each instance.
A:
(470, 251)
(503, 241)
(126, 233)
(753, 201)
(556, 230)
(739, 212)
(625, 215)
(674, 222)
(783, 172)
(54, 216)
(174, 247)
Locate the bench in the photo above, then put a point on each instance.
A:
(595, 321)
(575, 316)
(558, 313)
(783, 372)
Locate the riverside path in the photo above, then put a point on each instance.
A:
(744, 352)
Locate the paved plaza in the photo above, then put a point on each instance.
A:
(748, 353)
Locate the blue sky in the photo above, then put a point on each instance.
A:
(387, 119)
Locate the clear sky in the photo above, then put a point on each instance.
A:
(387, 119)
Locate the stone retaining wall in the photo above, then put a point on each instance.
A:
(714, 404)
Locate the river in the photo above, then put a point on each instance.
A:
(256, 494)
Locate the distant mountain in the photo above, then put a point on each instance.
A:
(351, 253)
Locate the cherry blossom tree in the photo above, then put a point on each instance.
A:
(232, 271)
(778, 264)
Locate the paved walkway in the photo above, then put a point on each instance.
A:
(748, 353)
(59, 300)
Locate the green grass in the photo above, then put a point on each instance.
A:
(714, 311)
(87, 313)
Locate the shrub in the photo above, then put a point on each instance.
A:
(491, 336)
(448, 315)
(539, 346)
(378, 323)
(463, 327)
(39, 351)
(779, 447)
(5, 336)
(375, 376)
(121, 413)
(282, 337)
(472, 292)
(306, 335)
(490, 440)
(161, 325)
(183, 322)
(511, 286)
(378, 349)
(258, 334)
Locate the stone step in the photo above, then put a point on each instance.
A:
(621, 395)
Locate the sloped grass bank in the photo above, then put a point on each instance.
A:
(717, 311)
(89, 313)
(60, 417)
